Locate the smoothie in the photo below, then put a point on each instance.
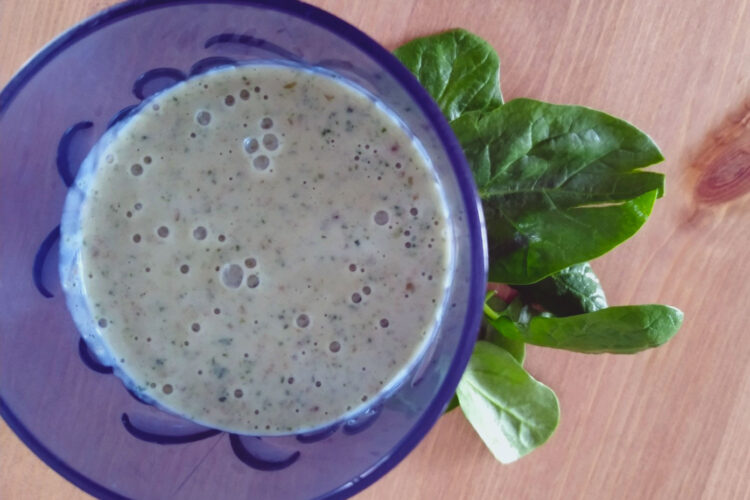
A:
(263, 249)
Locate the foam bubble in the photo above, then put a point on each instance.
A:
(232, 275)
(261, 162)
(381, 217)
(303, 321)
(253, 281)
(250, 144)
(203, 117)
(270, 142)
(200, 233)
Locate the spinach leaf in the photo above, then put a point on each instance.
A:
(490, 332)
(560, 184)
(511, 412)
(574, 290)
(618, 330)
(452, 404)
(459, 69)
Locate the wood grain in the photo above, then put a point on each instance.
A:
(669, 423)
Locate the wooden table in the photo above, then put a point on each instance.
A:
(669, 423)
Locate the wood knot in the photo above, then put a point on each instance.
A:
(726, 178)
(724, 163)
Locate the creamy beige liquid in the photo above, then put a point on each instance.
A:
(264, 249)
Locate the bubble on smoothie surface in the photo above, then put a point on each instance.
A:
(266, 123)
(200, 233)
(203, 117)
(303, 321)
(136, 238)
(196, 327)
(184, 268)
(251, 145)
(270, 142)
(229, 100)
(250, 262)
(244, 94)
(136, 169)
(261, 162)
(163, 231)
(253, 281)
(167, 389)
(103, 323)
(232, 275)
(384, 323)
(334, 346)
(381, 217)
(356, 298)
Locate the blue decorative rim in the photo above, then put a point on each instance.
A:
(475, 219)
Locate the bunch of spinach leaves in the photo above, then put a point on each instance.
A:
(560, 185)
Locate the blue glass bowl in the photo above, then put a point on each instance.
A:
(69, 409)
